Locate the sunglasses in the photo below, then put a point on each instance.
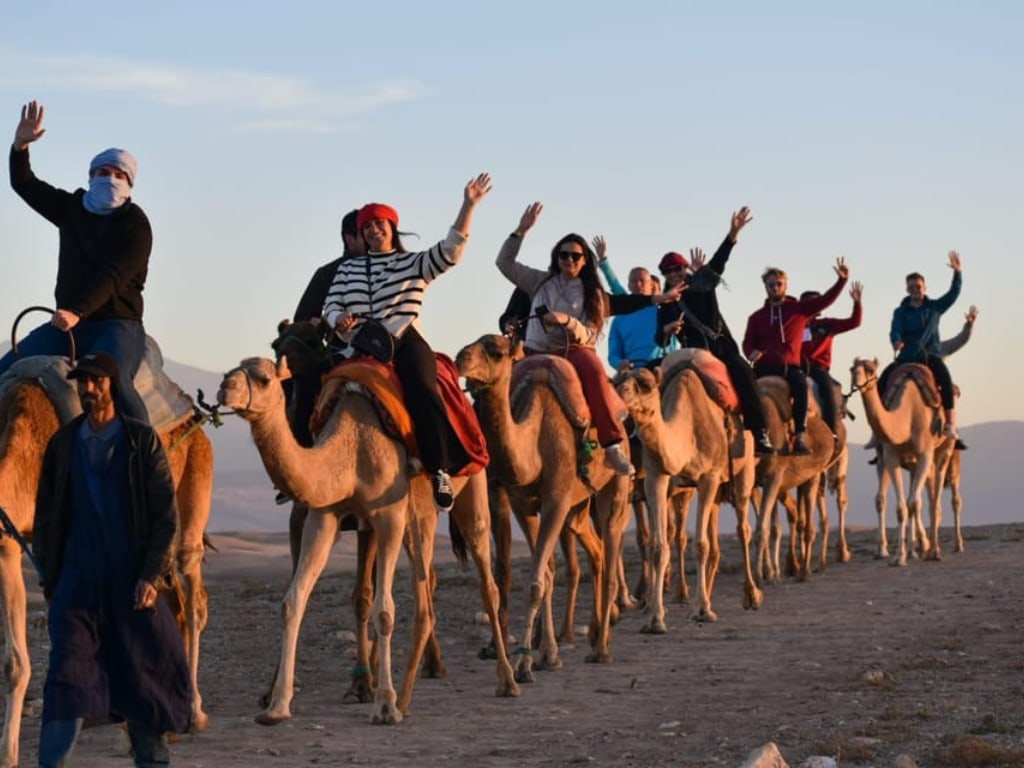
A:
(570, 255)
(774, 283)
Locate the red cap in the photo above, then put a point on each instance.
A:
(372, 211)
(672, 259)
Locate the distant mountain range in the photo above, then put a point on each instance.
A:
(243, 496)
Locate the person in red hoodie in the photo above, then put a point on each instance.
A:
(817, 349)
(775, 334)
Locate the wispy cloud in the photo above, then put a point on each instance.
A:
(262, 97)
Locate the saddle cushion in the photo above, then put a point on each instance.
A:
(557, 373)
(921, 375)
(712, 372)
(777, 388)
(381, 384)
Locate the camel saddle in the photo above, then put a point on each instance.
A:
(921, 375)
(777, 388)
(166, 403)
(380, 383)
(715, 377)
(557, 373)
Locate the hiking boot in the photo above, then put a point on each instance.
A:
(762, 443)
(444, 494)
(800, 447)
(615, 459)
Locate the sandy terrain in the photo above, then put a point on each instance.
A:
(863, 663)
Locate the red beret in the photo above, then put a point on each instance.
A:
(672, 259)
(372, 211)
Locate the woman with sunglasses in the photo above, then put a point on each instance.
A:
(567, 311)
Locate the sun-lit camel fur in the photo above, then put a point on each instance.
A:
(355, 468)
(685, 436)
(536, 459)
(27, 421)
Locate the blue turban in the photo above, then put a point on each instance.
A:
(116, 158)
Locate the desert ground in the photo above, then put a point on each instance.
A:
(864, 663)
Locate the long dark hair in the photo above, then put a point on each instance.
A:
(594, 301)
(396, 237)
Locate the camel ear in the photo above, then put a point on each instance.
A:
(283, 371)
(657, 375)
(518, 351)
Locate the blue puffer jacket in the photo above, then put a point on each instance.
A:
(918, 327)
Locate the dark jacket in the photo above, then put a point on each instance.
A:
(311, 305)
(153, 514)
(918, 327)
(103, 260)
(777, 330)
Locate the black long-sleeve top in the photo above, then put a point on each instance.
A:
(103, 260)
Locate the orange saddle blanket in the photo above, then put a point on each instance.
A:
(381, 384)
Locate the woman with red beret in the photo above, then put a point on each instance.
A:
(386, 284)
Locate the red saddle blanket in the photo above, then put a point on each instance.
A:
(712, 372)
(381, 384)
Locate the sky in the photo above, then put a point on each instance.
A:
(884, 132)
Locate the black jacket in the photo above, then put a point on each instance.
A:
(103, 260)
(152, 519)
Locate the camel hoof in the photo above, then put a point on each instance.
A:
(199, 723)
(654, 627)
(753, 600)
(626, 603)
(933, 555)
(507, 690)
(549, 662)
(705, 616)
(386, 714)
(682, 598)
(598, 657)
(843, 556)
(524, 674)
(266, 718)
(487, 653)
(433, 668)
(898, 562)
(882, 554)
(615, 614)
(959, 548)
(566, 637)
(359, 691)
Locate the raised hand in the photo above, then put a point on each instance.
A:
(972, 315)
(600, 247)
(954, 261)
(697, 259)
(30, 127)
(672, 294)
(841, 269)
(477, 189)
(856, 290)
(529, 217)
(739, 220)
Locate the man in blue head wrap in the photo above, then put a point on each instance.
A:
(105, 242)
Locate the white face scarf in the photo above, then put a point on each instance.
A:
(106, 194)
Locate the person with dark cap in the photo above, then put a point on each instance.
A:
(104, 534)
(775, 334)
(816, 350)
(384, 288)
(105, 243)
(696, 321)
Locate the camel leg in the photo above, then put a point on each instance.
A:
(501, 530)
(896, 477)
(884, 478)
(706, 491)
(362, 685)
(474, 524)
(16, 664)
(842, 502)
(643, 538)
(580, 526)
(613, 516)
(922, 473)
(656, 491)
(753, 597)
(680, 512)
(714, 549)
(567, 543)
(296, 519)
(935, 480)
(805, 512)
(765, 512)
(422, 634)
(821, 506)
(793, 543)
(956, 501)
(318, 535)
(389, 527)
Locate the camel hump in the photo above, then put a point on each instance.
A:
(918, 373)
(710, 370)
(166, 404)
(556, 373)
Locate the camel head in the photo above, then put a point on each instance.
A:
(303, 345)
(254, 387)
(488, 360)
(863, 373)
(639, 391)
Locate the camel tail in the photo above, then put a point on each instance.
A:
(458, 543)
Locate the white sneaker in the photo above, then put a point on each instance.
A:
(615, 459)
(444, 494)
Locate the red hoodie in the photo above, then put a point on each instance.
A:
(817, 347)
(777, 330)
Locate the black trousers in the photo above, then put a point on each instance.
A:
(939, 371)
(416, 367)
(826, 397)
(742, 377)
(797, 380)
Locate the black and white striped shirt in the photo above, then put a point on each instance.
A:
(389, 287)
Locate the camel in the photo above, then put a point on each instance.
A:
(535, 456)
(782, 471)
(28, 418)
(685, 434)
(355, 467)
(910, 431)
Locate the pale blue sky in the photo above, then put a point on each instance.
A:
(888, 133)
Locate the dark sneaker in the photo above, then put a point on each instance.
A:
(800, 445)
(762, 443)
(444, 494)
(873, 459)
(960, 445)
(282, 498)
(615, 459)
